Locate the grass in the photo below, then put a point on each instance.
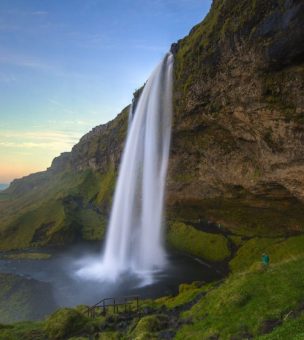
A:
(277, 248)
(245, 302)
(22, 330)
(211, 247)
(72, 207)
(27, 256)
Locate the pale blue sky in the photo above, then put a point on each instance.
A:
(67, 66)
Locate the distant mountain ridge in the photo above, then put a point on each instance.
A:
(3, 186)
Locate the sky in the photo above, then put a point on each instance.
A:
(67, 66)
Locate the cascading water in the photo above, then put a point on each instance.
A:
(134, 239)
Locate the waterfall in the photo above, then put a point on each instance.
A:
(134, 241)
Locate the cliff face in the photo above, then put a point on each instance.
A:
(238, 138)
(237, 155)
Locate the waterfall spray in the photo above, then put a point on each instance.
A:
(134, 241)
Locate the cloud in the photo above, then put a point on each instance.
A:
(62, 106)
(49, 140)
(7, 78)
(53, 145)
(72, 122)
(24, 61)
(16, 59)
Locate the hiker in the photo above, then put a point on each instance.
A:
(265, 260)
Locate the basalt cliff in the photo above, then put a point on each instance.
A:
(236, 169)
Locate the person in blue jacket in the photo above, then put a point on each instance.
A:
(265, 259)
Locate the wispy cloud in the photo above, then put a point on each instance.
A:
(49, 140)
(72, 122)
(61, 106)
(16, 20)
(7, 78)
(30, 145)
(15, 59)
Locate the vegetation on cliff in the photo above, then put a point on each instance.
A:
(237, 150)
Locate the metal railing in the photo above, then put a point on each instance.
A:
(119, 305)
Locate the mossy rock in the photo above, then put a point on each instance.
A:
(22, 299)
(148, 326)
(66, 322)
(109, 336)
(189, 286)
(210, 247)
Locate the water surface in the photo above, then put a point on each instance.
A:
(70, 290)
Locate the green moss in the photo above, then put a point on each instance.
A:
(109, 336)
(106, 187)
(184, 287)
(23, 330)
(27, 256)
(211, 247)
(64, 323)
(93, 225)
(236, 240)
(149, 326)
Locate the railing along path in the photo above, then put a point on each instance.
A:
(122, 304)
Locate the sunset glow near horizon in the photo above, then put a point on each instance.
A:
(66, 67)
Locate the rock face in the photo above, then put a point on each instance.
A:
(237, 155)
(238, 140)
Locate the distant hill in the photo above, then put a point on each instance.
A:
(3, 186)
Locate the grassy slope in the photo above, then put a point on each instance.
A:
(247, 302)
(69, 207)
